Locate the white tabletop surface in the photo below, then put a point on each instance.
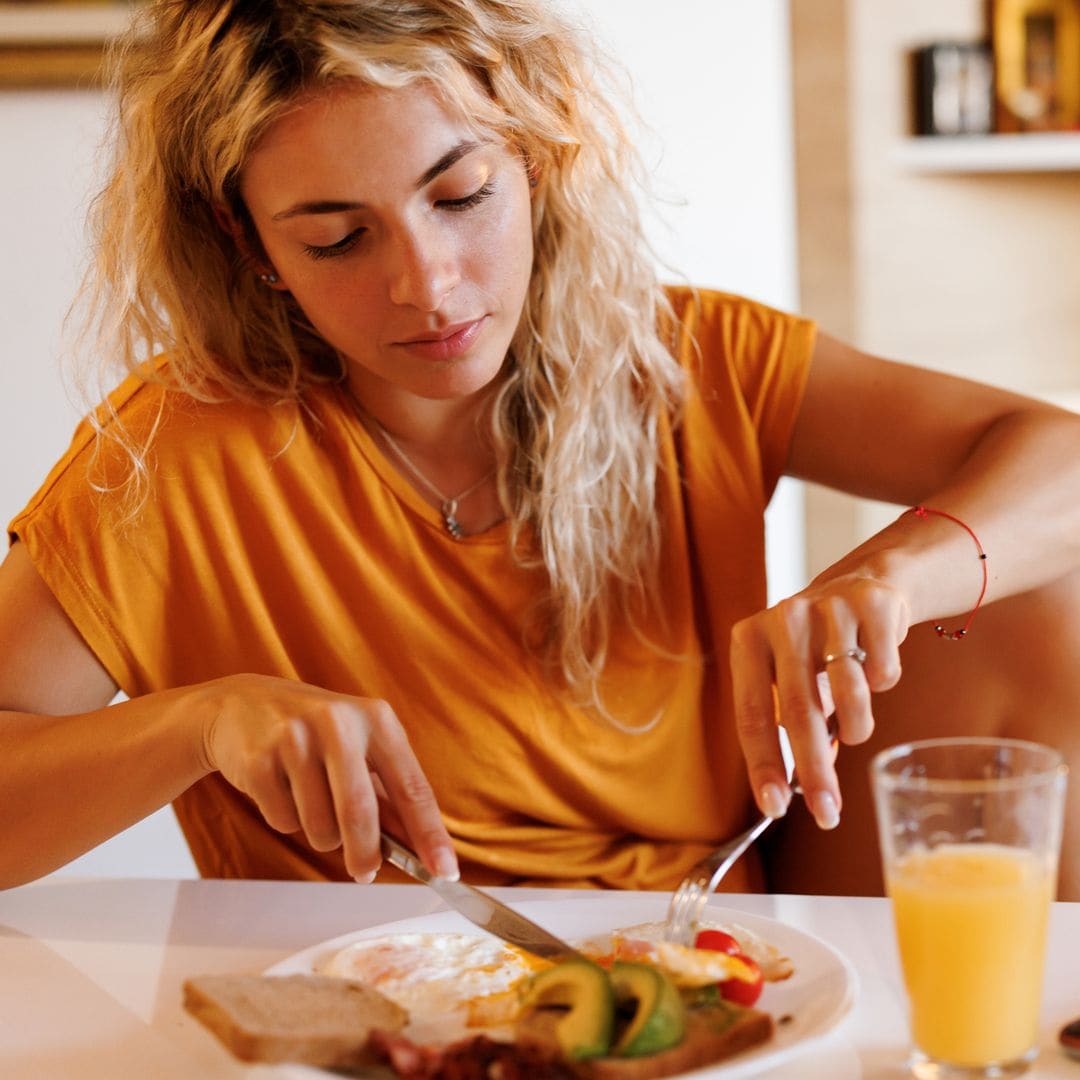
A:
(91, 970)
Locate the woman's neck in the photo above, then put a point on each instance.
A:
(439, 428)
(442, 448)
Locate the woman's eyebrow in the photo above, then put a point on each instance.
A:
(337, 206)
(448, 159)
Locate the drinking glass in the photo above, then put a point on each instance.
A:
(970, 832)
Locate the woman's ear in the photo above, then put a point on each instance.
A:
(258, 263)
(532, 167)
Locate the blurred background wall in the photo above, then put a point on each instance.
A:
(971, 269)
(713, 87)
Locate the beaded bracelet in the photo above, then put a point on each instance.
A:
(956, 635)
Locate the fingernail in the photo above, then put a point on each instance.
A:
(773, 801)
(365, 879)
(446, 865)
(826, 812)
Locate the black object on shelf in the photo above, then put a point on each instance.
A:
(954, 88)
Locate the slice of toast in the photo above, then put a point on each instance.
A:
(714, 1032)
(313, 1019)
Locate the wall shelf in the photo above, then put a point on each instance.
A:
(1056, 152)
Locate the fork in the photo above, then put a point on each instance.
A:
(688, 900)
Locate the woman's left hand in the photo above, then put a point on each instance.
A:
(838, 639)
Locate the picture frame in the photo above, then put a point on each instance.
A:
(1036, 49)
(50, 44)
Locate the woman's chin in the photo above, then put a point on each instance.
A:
(456, 379)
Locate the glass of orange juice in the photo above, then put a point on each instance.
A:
(970, 832)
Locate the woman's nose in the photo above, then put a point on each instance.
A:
(425, 271)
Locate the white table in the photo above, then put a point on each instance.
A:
(91, 971)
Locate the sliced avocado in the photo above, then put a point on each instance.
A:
(659, 1015)
(583, 989)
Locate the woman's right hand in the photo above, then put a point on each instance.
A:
(324, 762)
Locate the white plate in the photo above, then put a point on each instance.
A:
(806, 1007)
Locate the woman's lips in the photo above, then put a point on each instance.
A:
(446, 344)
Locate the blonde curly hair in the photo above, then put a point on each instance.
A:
(589, 383)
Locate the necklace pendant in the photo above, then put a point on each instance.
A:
(447, 506)
(449, 516)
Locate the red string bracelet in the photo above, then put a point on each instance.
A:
(956, 635)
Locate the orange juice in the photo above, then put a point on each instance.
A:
(971, 927)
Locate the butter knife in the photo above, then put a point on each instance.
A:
(480, 908)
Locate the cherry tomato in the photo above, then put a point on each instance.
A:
(740, 992)
(716, 941)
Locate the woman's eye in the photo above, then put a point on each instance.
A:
(347, 243)
(469, 201)
(328, 251)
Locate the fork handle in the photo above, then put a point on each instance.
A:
(725, 857)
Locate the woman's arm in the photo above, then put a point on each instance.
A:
(75, 771)
(1007, 466)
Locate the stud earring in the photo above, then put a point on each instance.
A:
(269, 278)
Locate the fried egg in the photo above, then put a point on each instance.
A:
(445, 981)
(688, 966)
(683, 965)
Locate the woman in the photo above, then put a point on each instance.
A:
(423, 504)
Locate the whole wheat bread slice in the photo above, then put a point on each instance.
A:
(313, 1019)
(712, 1034)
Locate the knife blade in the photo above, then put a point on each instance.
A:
(480, 908)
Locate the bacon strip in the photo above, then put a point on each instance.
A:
(475, 1058)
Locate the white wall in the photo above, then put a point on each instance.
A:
(49, 141)
(713, 86)
(713, 89)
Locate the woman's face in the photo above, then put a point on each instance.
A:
(405, 238)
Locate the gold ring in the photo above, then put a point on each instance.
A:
(856, 654)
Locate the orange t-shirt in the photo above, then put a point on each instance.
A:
(274, 544)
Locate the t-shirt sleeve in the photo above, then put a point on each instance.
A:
(754, 359)
(63, 530)
(108, 575)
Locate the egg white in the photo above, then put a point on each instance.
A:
(435, 977)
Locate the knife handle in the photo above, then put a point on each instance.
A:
(400, 856)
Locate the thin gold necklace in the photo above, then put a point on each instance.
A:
(448, 504)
